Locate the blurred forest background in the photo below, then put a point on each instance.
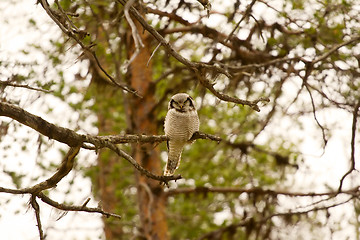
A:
(277, 82)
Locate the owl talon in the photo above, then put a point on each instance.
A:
(164, 183)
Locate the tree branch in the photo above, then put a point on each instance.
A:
(36, 208)
(252, 222)
(82, 208)
(252, 104)
(334, 49)
(256, 190)
(50, 130)
(11, 84)
(74, 139)
(191, 65)
(64, 169)
(63, 22)
(197, 67)
(353, 134)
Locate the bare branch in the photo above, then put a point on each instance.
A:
(245, 15)
(314, 114)
(61, 19)
(61, 206)
(50, 130)
(257, 191)
(74, 139)
(334, 49)
(81, 208)
(172, 15)
(252, 222)
(197, 67)
(64, 169)
(11, 84)
(252, 104)
(36, 208)
(152, 54)
(135, 34)
(353, 134)
(200, 135)
(191, 65)
(131, 160)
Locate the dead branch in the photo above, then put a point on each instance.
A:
(322, 128)
(224, 97)
(353, 134)
(74, 139)
(50, 130)
(61, 206)
(251, 221)
(135, 34)
(245, 15)
(334, 49)
(257, 191)
(197, 67)
(66, 26)
(172, 15)
(11, 84)
(37, 191)
(82, 208)
(64, 169)
(36, 208)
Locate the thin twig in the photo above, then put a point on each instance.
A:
(66, 16)
(224, 97)
(81, 208)
(142, 170)
(315, 116)
(246, 14)
(36, 208)
(353, 135)
(335, 48)
(257, 191)
(252, 222)
(9, 83)
(152, 54)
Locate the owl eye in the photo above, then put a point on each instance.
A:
(189, 102)
(172, 103)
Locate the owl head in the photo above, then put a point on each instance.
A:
(182, 102)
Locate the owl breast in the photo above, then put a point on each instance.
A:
(180, 126)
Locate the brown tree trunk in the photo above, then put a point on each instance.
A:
(140, 119)
(151, 198)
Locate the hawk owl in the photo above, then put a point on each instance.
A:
(181, 122)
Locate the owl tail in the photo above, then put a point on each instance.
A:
(174, 157)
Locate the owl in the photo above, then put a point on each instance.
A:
(181, 122)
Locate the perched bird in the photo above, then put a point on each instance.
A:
(181, 122)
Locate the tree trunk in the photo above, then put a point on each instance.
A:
(151, 198)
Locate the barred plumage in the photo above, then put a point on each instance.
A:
(180, 124)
